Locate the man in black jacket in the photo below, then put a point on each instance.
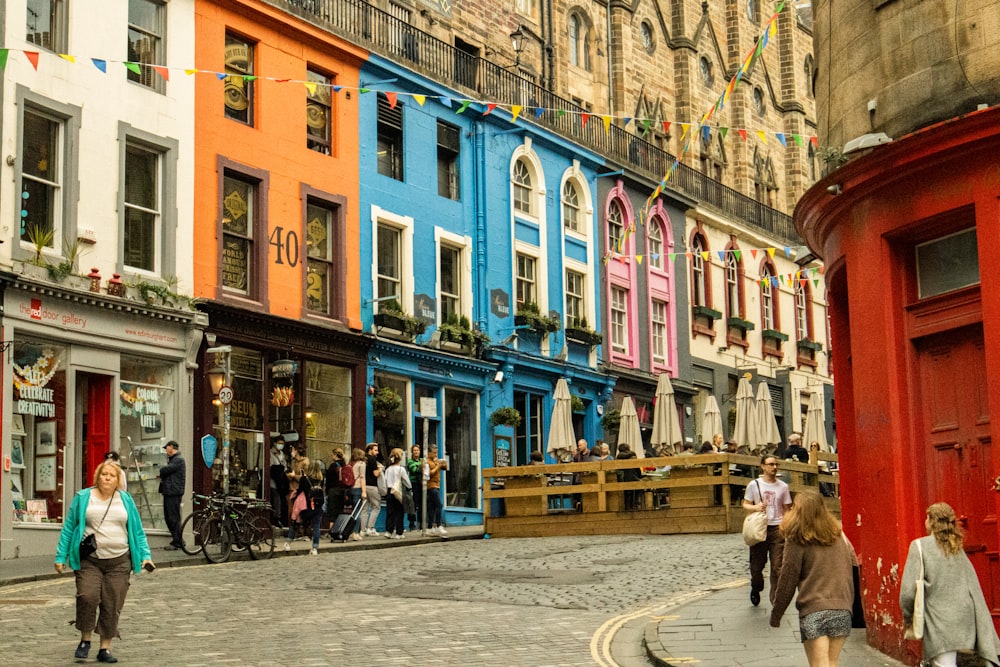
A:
(172, 489)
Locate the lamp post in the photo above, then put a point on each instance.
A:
(219, 378)
(517, 41)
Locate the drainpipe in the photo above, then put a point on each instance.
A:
(549, 51)
(611, 88)
(479, 180)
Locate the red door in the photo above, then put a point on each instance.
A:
(956, 432)
(98, 430)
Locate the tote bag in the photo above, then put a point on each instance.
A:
(915, 630)
(755, 525)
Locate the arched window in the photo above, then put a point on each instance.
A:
(571, 205)
(579, 35)
(768, 302)
(699, 275)
(616, 226)
(523, 194)
(803, 312)
(655, 237)
(734, 274)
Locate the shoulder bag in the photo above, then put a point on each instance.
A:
(88, 544)
(380, 482)
(915, 630)
(755, 524)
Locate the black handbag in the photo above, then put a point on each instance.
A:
(88, 544)
(858, 611)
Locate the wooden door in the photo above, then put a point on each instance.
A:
(98, 430)
(954, 406)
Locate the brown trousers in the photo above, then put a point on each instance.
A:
(102, 585)
(774, 548)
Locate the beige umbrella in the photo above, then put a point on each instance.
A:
(745, 431)
(768, 434)
(711, 422)
(561, 437)
(628, 428)
(815, 428)
(666, 426)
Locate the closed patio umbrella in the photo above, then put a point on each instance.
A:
(768, 435)
(628, 428)
(666, 425)
(561, 437)
(745, 431)
(711, 422)
(815, 428)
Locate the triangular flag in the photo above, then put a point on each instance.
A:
(100, 64)
(607, 123)
(362, 91)
(465, 105)
(722, 255)
(814, 141)
(645, 127)
(743, 134)
(781, 138)
(221, 75)
(638, 259)
(770, 253)
(3, 57)
(392, 99)
(539, 111)
(753, 253)
(705, 255)
(738, 254)
(666, 127)
(32, 57)
(310, 87)
(815, 282)
(281, 80)
(689, 255)
(672, 256)
(684, 129)
(706, 133)
(723, 131)
(774, 281)
(337, 89)
(788, 252)
(762, 135)
(420, 99)
(446, 101)
(584, 117)
(489, 108)
(189, 72)
(628, 120)
(66, 56)
(515, 111)
(798, 139)
(133, 67)
(162, 71)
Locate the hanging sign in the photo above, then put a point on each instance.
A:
(208, 447)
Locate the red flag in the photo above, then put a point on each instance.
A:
(489, 108)
(32, 58)
(666, 127)
(753, 253)
(392, 100)
(162, 71)
(584, 117)
(743, 133)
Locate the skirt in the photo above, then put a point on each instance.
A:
(825, 623)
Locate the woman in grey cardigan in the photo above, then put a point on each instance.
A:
(955, 614)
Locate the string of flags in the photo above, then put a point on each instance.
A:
(789, 279)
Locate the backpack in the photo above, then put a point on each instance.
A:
(316, 499)
(346, 476)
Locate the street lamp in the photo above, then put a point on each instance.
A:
(517, 41)
(219, 378)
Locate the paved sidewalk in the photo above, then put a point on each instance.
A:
(720, 627)
(40, 568)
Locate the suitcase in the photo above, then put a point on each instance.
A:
(344, 524)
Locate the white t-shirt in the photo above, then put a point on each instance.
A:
(776, 496)
(110, 531)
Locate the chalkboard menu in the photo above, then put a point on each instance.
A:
(501, 451)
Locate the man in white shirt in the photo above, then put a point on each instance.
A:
(767, 494)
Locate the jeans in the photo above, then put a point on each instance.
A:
(316, 523)
(433, 507)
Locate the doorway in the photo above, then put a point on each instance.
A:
(93, 400)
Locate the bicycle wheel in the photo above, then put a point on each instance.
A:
(191, 529)
(261, 539)
(217, 544)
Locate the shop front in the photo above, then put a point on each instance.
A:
(90, 374)
(302, 382)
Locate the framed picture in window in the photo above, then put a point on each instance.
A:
(45, 438)
(152, 428)
(17, 453)
(45, 473)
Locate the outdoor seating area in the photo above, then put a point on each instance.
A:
(674, 494)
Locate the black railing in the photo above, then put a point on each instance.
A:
(365, 25)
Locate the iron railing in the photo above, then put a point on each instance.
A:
(376, 30)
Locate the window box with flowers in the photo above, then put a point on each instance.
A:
(577, 331)
(529, 315)
(393, 318)
(457, 335)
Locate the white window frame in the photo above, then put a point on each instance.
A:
(766, 300)
(520, 187)
(801, 312)
(462, 244)
(404, 224)
(654, 236)
(698, 286)
(732, 286)
(148, 77)
(658, 342)
(619, 320)
(533, 280)
(581, 297)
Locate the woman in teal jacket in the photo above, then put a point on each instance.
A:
(102, 578)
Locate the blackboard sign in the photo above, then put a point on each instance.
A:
(235, 255)
(501, 451)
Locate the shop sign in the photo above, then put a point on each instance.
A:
(284, 368)
(501, 452)
(33, 397)
(499, 303)
(425, 308)
(208, 447)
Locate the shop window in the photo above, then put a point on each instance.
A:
(526, 289)
(243, 255)
(460, 437)
(247, 466)
(147, 414)
(571, 206)
(39, 459)
(239, 89)
(448, 150)
(391, 413)
(528, 437)
(328, 409)
(146, 30)
(390, 139)
(319, 103)
(46, 25)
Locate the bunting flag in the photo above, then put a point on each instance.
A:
(32, 57)
(3, 58)
(392, 100)
(420, 99)
(489, 108)
(465, 105)
(514, 112)
(311, 87)
(102, 65)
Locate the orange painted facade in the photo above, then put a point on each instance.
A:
(274, 147)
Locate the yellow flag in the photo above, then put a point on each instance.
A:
(310, 86)
(704, 255)
(515, 112)
(770, 253)
(607, 123)
(763, 137)
(66, 56)
(638, 259)
(189, 72)
(420, 99)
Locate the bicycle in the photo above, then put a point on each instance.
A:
(233, 523)
(204, 508)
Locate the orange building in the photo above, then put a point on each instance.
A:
(276, 237)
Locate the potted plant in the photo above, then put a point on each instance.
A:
(506, 416)
(529, 315)
(458, 334)
(392, 316)
(577, 405)
(611, 420)
(385, 400)
(578, 332)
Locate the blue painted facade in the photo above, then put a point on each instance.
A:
(411, 235)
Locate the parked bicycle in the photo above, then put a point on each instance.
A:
(193, 524)
(228, 523)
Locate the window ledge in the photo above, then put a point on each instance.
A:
(703, 330)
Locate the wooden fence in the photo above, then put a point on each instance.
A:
(673, 495)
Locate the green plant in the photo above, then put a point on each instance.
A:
(71, 251)
(153, 293)
(385, 400)
(529, 314)
(40, 239)
(611, 420)
(391, 314)
(506, 417)
(831, 157)
(577, 330)
(459, 330)
(577, 404)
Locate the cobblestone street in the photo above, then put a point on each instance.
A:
(528, 602)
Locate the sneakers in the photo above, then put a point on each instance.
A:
(355, 537)
(397, 537)
(370, 532)
(754, 597)
(389, 536)
(432, 531)
(442, 531)
(82, 651)
(288, 547)
(313, 551)
(104, 655)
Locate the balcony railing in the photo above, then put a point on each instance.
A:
(360, 23)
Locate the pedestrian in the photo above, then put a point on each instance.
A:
(172, 489)
(108, 514)
(633, 496)
(116, 458)
(336, 492)
(605, 452)
(394, 506)
(768, 494)
(358, 467)
(307, 505)
(432, 479)
(278, 483)
(818, 561)
(956, 617)
(795, 449)
(414, 466)
(582, 452)
(369, 492)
